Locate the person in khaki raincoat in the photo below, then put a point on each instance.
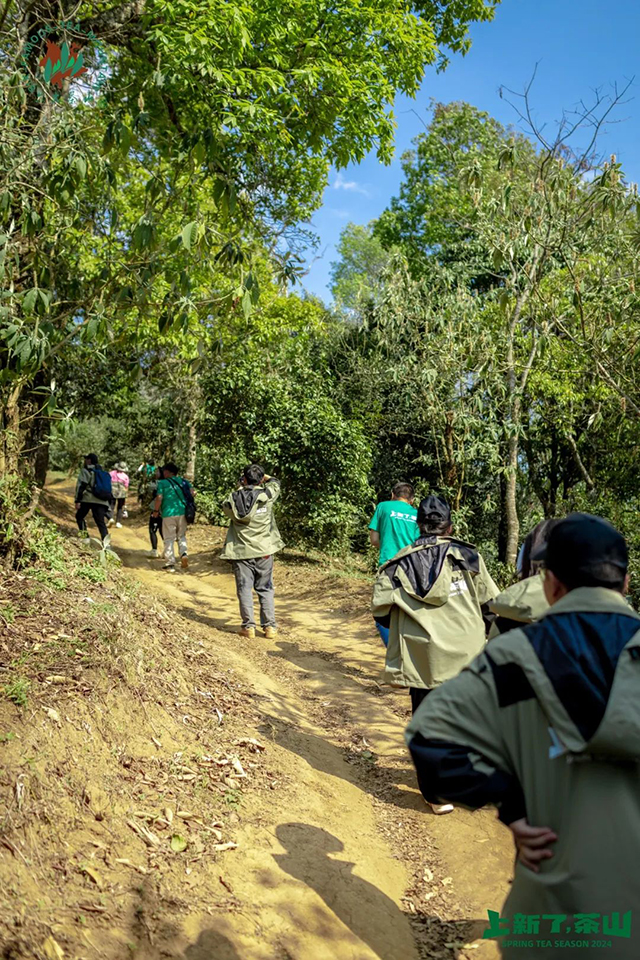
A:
(432, 597)
(545, 724)
(524, 601)
(252, 539)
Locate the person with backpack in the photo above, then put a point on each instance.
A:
(93, 494)
(119, 488)
(252, 539)
(174, 503)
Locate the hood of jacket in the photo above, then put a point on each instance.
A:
(421, 571)
(523, 601)
(581, 661)
(245, 501)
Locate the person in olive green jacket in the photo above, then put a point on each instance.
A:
(252, 539)
(545, 724)
(524, 601)
(433, 598)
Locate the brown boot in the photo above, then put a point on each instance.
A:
(248, 632)
(270, 633)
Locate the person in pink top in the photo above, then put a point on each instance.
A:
(119, 488)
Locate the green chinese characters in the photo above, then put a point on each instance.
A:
(526, 924)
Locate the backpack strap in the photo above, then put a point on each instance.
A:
(176, 486)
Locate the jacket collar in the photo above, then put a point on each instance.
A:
(592, 600)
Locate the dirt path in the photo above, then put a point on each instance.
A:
(344, 861)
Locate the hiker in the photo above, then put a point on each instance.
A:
(172, 501)
(524, 601)
(545, 724)
(119, 488)
(252, 539)
(393, 527)
(146, 471)
(433, 598)
(149, 494)
(93, 493)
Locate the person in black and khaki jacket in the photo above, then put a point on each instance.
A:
(545, 724)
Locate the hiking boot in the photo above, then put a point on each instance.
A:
(270, 633)
(110, 522)
(248, 632)
(169, 566)
(118, 526)
(153, 554)
(184, 561)
(440, 808)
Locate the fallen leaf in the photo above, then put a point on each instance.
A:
(178, 843)
(127, 863)
(446, 881)
(52, 949)
(237, 766)
(149, 838)
(91, 873)
(168, 812)
(428, 875)
(225, 846)
(53, 715)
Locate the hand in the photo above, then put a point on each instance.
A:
(532, 843)
(77, 506)
(155, 513)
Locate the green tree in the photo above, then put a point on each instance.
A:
(356, 275)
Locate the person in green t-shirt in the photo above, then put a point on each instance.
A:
(393, 527)
(170, 504)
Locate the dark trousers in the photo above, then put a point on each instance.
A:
(255, 574)
(118, 502)
(155, 528)
(99, 514)
(417, 696)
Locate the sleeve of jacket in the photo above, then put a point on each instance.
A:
(83, 481)
(487, 589)
(272, 489)
(456, 743)
(227, 506)
(383, 598)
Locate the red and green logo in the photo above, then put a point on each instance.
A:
(61, 63)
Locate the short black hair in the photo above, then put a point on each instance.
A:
(435, 528)
(171, 468)
(92, 458)
(603, 574)
(253, 474)
(404, 491)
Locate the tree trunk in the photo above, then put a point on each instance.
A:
(511, 506)
(192, 446)
(10, 432)
(502, 520)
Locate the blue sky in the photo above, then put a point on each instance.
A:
(579, 45)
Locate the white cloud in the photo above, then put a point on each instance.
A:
(340, 214)
(342, 184)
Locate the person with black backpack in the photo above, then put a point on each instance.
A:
(93, 493)
(175, 504)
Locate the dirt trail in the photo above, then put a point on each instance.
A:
(344, 861)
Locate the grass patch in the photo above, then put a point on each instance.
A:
(17, 691)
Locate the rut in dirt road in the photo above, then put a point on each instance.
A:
(358, 865)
